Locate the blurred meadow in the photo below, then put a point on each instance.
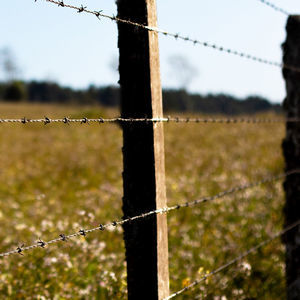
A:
(61, 178)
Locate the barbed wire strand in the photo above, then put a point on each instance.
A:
(275, 7)
(235, 260)
(63, 237)
(177, 36)
(168, 119)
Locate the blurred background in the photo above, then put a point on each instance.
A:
(59, 55)
(58, 179)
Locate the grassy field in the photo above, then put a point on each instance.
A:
(58, 179)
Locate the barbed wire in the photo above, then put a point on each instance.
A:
(177, 36)
(275, 7)
(82, 232)
(235, 260)
(168, 119)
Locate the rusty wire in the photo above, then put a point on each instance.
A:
(82, 232)
(234, 260)
(168, 119)
(275, 7)
(99, 14)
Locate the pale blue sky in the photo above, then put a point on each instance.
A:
(58, 44)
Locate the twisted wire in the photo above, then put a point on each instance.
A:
(275, 7)
(235, 260)
(177, 36)
(168, 119)
(82, 232)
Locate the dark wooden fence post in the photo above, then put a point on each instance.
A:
(146, 241)
(291, 149)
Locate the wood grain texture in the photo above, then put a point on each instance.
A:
(146, 241)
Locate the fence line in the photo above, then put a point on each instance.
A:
(168, 119)
(63, 237)
(236, 259)
(82, 232)
(275, 7)
(178, 36)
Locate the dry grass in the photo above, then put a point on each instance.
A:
(60, 178)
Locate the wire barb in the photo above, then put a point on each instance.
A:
(66, 120)
(20, 250)
(47, 121)
(165, 210)
(84, 121)
(98, 13)
(81, 9)
(41, 243)
(82, 232)
(63, 237)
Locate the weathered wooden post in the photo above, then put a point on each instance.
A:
(146, 241)
(291, 149)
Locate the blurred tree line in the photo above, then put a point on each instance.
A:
(174, 100)
(14, 89)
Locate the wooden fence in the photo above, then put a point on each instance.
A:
(143, 152)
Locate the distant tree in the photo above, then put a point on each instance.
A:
(8, 63)
(50, 92)
(2, 90)
(256, 104)
(15, 91)
(173, 100)
(109, 96)
(182, 70)
(114, 64)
